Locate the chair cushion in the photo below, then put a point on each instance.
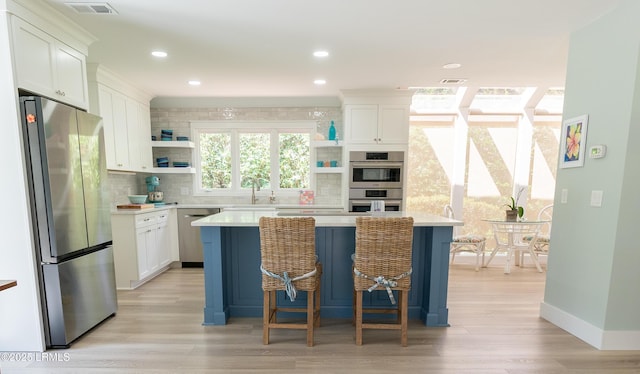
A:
(469, 239)
(541, 239)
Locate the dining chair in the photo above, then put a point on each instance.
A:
(465, 243)
(509, 237)
(382, 262)
(541, 246)
(288, 263)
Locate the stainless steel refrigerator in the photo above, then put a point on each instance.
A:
(70, 211)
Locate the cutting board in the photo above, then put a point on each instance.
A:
(136, 206)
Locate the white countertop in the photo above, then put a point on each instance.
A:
(226, 207)
(142, 211)
(251, 217)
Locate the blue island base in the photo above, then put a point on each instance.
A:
(233, 279)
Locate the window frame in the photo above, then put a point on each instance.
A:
(235, 128)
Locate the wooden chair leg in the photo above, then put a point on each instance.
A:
(266, 315)
(404, 309)
(316, 314)
(353, 308)
(273, 306)
(398, 311)
(358, 317)
(310, 317)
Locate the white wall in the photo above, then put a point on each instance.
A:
(592, 279)
(20, 322)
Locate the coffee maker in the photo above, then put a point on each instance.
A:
(154, 196)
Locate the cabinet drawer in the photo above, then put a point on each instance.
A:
(143, 220)
(162, 218)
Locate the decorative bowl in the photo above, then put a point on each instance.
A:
(137, 199)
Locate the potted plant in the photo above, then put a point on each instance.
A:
(515, 211)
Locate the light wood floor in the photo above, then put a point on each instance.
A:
(494, 320)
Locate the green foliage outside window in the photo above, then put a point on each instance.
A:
(255, 159)
(294, 153)
(215, 160)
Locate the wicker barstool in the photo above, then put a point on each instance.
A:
(382, 262)
(288, 263)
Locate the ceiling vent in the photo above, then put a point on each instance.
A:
(92, 8)
(452, 81)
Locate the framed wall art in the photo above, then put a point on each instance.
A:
(573, 140)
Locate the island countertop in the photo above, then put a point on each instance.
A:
(250, 218)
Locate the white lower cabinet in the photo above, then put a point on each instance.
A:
(142, 245)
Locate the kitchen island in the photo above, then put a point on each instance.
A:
(231, 245)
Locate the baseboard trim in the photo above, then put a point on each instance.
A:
(592, 335)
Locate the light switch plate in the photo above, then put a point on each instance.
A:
(596, 198)
(563, 196)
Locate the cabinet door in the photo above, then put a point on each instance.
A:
(393, 125)
(120, 132)
(144, 137)
(48, 67)
(71, 75)
(132, 133)
(145, 237)
(163, 239)
(362, 123)
(153, 259)
(33, 54)
(105, 110)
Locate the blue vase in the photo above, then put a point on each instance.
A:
(332, 132)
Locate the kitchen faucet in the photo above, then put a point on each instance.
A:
(255, 186)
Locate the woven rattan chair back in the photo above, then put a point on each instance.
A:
(288, 245)
(383, 248)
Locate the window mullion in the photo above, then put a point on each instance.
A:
(275, 160)
(235, 161)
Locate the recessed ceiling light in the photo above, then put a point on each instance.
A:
(452, 65)
(321, 53)
(159, 54)
(319, 82)
(194, 83)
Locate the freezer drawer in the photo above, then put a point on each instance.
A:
(80, 293)
(189, 236)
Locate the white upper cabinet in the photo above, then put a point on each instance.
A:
(113, 111)
(127, 122)
(47, 66)
(144, 137)
(377, 123)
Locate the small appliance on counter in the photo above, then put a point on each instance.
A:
(154, 195)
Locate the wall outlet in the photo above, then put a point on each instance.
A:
(184, 191)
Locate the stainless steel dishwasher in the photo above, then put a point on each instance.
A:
(189, 236)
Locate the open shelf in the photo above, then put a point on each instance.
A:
(173, 170)
(173, 144)
(328, 170)
(326, 143)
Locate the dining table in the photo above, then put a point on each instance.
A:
(515, 237)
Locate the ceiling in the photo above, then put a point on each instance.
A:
(257, 48)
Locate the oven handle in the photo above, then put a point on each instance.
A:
(368, 202)
(386, 165)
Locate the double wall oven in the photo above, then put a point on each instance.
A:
(375, 176)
